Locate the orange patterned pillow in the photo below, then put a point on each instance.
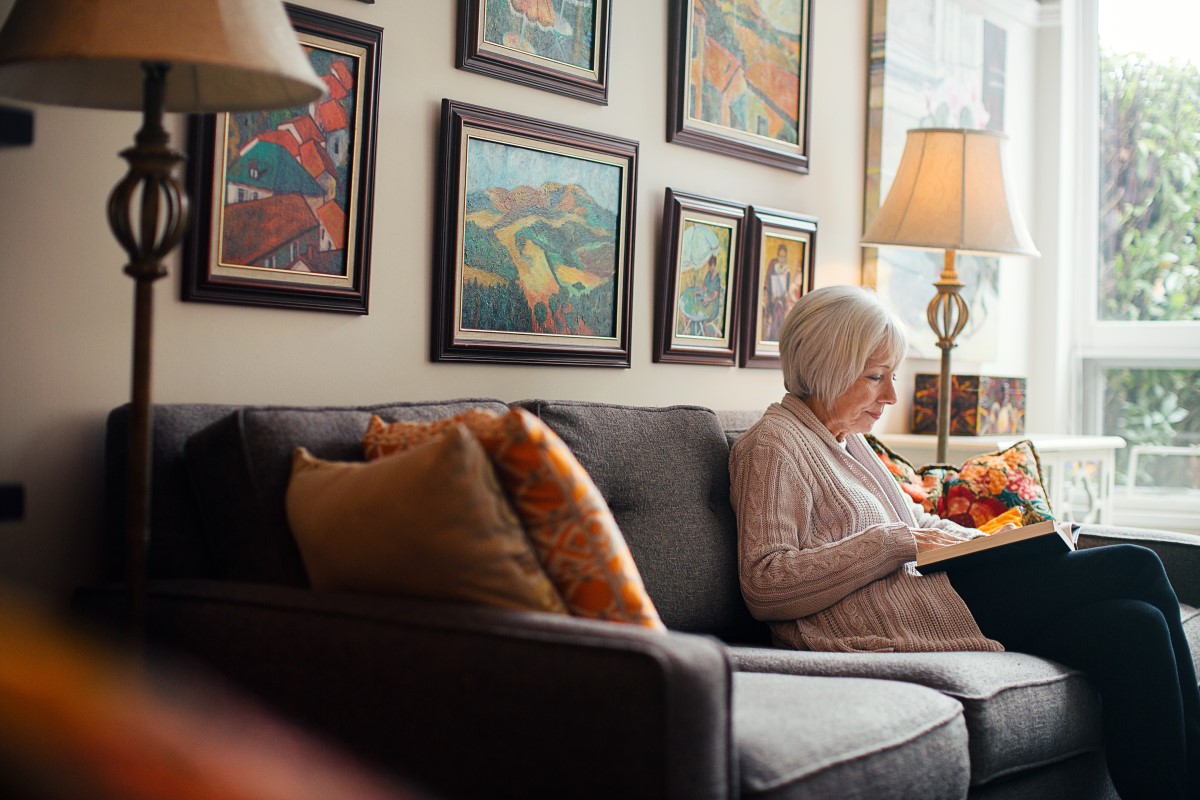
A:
(565, 516)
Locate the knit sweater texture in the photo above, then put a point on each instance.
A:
(825, 548)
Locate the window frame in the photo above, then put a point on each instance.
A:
(1096, 344)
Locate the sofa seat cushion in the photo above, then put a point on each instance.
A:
(240, 465)
(1021, 711)
(847, 738)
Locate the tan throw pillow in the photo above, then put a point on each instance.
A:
(430, 522)
(572, 529)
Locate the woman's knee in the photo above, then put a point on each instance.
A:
(1131, 563)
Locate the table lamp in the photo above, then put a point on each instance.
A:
(151, 56)
(951, 192)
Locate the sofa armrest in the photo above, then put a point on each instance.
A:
(1180, 553)
(467, 701)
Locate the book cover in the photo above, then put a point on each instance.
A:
(1028, 540)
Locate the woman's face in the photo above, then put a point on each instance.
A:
(859, 407)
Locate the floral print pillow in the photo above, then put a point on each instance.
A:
(984, 487)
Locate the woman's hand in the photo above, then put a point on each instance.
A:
(932, 538)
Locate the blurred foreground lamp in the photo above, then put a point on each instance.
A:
(151, 56)
(951, 192)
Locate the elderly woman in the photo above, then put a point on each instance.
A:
(827, 543)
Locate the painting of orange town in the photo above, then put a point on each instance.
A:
(286, 185)
(744, 66)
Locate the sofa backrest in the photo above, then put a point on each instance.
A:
(220, 476)
(664, 472)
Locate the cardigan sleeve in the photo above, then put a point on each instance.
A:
(786, 572)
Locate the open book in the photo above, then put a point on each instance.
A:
(1041, 537)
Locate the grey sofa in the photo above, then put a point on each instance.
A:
(477, 702)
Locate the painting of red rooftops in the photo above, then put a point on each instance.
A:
(739, 78)
(283, 198)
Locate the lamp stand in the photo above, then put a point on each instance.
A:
(947, 314)
(147, 236)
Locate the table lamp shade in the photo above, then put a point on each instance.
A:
(225, 55)
(952, 192)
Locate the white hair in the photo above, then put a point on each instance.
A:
(829, 336)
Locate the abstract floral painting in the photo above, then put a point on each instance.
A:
(557, 45)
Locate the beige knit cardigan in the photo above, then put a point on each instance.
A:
(824, 547)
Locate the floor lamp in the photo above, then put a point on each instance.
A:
(951, 192)
(151, 56)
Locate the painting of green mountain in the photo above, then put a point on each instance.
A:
(540, 242)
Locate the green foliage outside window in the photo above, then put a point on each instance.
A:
(1150, 256)
(1149, 189)
(1155, 407)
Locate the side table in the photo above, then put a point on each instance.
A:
(1079, 471)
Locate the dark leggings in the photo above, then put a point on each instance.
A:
(1111, 612)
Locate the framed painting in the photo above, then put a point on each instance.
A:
(699, 272)
(284, 198)
(739, 79)
(533, 257)
(780, 253)
(919, 76)
(558, 45)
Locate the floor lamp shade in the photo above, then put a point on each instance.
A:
(225, 55)
(951, 192)
(153, 56)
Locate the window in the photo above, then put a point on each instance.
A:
(1138, 343)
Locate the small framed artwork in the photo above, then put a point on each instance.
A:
(780, 249)
(699, 274)
(739, 82)
(284, 198)
(533, 258)
(558, 45)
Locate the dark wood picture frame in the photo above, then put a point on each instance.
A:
(308, 171)
(756, 96)
(553, 287)
(776, 276)
(508, 61)
(699, 280)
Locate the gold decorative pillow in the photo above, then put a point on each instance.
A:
(431, 522)
(565, 516)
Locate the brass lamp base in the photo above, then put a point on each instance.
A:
(947, 314)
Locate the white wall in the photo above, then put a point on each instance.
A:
(65, 306)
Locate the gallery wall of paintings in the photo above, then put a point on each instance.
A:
(356, 323)
(536, 219)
